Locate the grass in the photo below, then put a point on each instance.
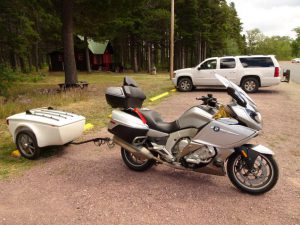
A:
(33, 93)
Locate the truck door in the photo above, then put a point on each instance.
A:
(228, 69)
(204, 74)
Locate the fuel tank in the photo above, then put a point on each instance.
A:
(222, 134)
(194, 117)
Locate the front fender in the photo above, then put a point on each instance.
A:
(262, 149)
(250, 152)
(179, 76)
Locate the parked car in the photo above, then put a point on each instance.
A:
(296, 60)
(249, 72)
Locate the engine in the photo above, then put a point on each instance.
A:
(193, 154)
(202, 155)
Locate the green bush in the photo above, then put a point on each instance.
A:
(7, 77)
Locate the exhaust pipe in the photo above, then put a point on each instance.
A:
(131, 148)
(143, 151)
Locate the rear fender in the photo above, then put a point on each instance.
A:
(27, 126)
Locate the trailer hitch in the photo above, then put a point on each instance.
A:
(97, 142)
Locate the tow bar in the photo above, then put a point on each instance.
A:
(97, 142)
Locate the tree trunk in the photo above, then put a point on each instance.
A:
(204, 54)
(199, 49)
(121, 53)
(14, 61)
(155, 56)
(29, 60)
(69, 57)
(22, 64)
(162, 56)
(139, 56)
(36, 56)
(182, 57)
(87, 55)
(149, 57)
(135, 59)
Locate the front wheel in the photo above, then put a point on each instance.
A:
(135, 162)
(260, 179)
(185, 84)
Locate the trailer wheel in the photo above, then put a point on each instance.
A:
(27, 144)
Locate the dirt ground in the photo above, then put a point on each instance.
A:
(91, 185)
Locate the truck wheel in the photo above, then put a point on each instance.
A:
(250, 84)
(27, 144)
(185, 84)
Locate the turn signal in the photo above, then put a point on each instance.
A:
(244, 154)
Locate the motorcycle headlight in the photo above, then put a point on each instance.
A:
(257, 117)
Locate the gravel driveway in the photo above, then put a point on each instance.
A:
(90, 185)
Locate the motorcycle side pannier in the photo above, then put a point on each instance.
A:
(125, 97)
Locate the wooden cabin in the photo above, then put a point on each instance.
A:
(100, 56)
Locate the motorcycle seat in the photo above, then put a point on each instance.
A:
(155, 122)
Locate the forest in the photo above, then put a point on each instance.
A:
(139, 31)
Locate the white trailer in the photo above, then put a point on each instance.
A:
(41, 127)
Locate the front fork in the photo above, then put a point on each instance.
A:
(248, 155)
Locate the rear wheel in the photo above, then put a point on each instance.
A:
(136, 163)
(27, 144)
(185, 84)
(260, 179)
(250, 85)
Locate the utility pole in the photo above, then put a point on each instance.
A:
(172, 40)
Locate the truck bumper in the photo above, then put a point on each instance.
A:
(174, 81)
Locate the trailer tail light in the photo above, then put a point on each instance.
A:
(276, 72)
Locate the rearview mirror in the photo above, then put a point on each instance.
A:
(199, 68)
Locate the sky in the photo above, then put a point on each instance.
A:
(272, 17)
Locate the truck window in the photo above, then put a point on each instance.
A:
(252, 62)
(209, 65)
(227, 63)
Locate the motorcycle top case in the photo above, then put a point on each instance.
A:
(125, 97)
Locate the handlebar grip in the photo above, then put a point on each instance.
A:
(201, 98)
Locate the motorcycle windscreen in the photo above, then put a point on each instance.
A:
(227, 83)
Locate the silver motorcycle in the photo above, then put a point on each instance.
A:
(210, 138)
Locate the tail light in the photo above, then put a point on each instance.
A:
(7, 122)
(276, 72)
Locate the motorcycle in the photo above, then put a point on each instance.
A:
(211, 138)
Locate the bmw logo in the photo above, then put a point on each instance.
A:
(216, 129)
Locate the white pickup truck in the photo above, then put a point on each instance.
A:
(249, 72)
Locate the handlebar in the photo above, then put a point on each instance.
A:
(208, 100)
